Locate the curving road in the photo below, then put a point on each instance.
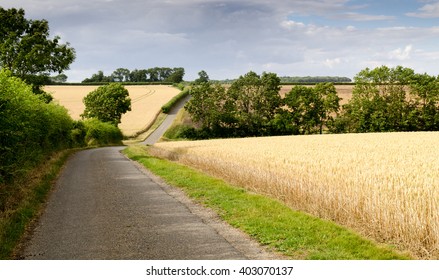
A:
(104, 206)
(158, 133)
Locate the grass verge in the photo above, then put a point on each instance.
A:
(295, 234)
(181, 123)
(23, 200)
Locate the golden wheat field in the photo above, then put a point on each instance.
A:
(386, 186)
(146, 102)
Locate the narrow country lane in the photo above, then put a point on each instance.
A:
(104, 206)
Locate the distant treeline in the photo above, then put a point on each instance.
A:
(151, 75)
(302, 80)
(383, 100)
(317, 79)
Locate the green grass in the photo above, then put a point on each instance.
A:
(295, 234)
(181, 123)
(23, 200)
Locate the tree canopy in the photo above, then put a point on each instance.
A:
(384, 100)
(107, 103)
(156, 74)
(245, 109)
(27, 50)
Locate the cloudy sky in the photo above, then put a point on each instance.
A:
(231, 37)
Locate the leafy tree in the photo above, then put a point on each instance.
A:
(175, 76)
(256, 100)
(121, 74)
(28, 52)
(308, 110)
(61, 78)
(330, 104)
(425, 93)
(380, 101)
(156, 74)
(107, 103)
(202, 77)
(303, 107)
(138, 75)
(211, 108)
(98, 78)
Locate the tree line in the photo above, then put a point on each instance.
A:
(315, 79)
(156, 74)
(384, 99)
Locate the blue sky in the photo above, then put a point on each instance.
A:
(229, 38)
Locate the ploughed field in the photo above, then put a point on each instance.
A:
(383, 185)
(146, 102)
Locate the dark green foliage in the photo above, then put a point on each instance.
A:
(99, 78)
(211, 108)
(245, 109)
(391, 99)
(27, 51)
(252, 106)
(308, 110)
(30, 129)
(98, 133)
(202, 78)
(256, 100)
(314, 80)
(107, 103)
(384, 100)
(156, 74)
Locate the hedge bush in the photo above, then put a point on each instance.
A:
(168, 106)
(98, 133)
(31, 130)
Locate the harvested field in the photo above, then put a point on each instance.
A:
(384, 186)
(146, 102)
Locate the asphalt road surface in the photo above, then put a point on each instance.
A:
(105, 206)
(158, 133)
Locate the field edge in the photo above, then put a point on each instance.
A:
(292, 233)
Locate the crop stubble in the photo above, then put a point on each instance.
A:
(382, 185)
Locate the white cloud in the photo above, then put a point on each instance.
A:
(401, 54)
(290, 24)
(229, 37)
(427, 11)
(332, 62)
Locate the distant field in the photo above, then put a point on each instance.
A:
(343, 91)
(383, 185)
(146, 102)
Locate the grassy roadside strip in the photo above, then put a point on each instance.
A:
(293, 233)
(23, 200)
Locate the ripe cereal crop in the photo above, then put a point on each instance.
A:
(146, 102)
(383, 185)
